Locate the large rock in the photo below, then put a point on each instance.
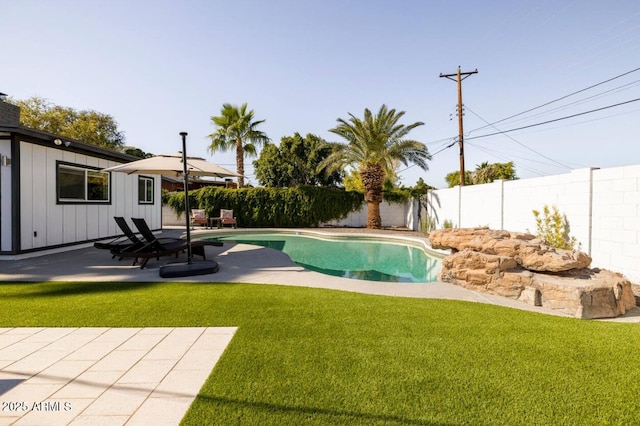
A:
(545, 259)
(480, 271)
(586, 293)
(530, 252)
(485, 240)
(521, 267)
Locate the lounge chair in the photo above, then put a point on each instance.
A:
(129, 241)
(198, 217)
(156, 247)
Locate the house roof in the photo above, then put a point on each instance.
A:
(46, 139)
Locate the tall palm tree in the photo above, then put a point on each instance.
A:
(376, 145)
(236, 129)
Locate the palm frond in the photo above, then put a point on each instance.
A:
(379, 139)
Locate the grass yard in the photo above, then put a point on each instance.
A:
(313, 357)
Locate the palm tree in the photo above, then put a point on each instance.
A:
(488, 172)
(236, 129)
(484, 173)
(375, 146)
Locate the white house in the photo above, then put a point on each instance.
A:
(53, 194)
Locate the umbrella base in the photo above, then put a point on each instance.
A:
(185, 269)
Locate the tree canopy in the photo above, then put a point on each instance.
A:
(484, 173)
(136, 152)
(237, 129)
(86, 125)
(295, 162)
(453, 178)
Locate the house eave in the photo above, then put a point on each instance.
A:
(46, 139)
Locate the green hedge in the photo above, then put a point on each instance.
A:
(305, 206)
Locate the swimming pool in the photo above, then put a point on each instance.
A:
(349, 256)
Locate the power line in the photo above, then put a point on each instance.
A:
(432, 155)
(545, 104)
(617, 89)
(554, 120)
(588, 121)
(558, 99)
(504, 157)
(446, 147)
(519, 143)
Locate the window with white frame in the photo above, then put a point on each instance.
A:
(82, 184)
(145, 190)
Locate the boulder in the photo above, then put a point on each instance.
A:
(586, 293)
(522, 267)
(530, 252)
(551, 260)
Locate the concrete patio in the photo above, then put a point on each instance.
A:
(104, 376)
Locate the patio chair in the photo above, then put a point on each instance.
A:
(157, 247)
(227, 218)
(198, 217)
(129, 241)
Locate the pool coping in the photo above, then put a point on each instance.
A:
(414, 242)
(422, 242)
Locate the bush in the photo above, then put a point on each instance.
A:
(553, 228)
(304, 206)
(427, 224)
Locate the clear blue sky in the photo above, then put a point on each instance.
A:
(161, 67)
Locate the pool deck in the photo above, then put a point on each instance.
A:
(239, 263)
(242, 263)
(151, 375)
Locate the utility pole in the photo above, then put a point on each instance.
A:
(459, 77)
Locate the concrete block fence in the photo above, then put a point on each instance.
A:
(602, 207)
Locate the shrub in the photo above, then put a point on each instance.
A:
(303, 206)
(427, 224)
(396, 195)
(553, 228)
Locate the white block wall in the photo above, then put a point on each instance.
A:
(616, 221)
(444, 205)
(602, 207)
(392, 214)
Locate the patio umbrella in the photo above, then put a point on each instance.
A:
(176, 165)
(173, 166)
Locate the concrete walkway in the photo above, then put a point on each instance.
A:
(104, 376)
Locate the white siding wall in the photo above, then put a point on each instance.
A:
(5, 198)
(45, 223)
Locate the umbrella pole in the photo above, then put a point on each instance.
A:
(186, 193)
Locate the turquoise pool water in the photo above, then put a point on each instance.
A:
(350, 257)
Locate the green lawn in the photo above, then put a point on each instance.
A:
(311, 356)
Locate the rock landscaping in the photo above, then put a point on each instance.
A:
(522, 267)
